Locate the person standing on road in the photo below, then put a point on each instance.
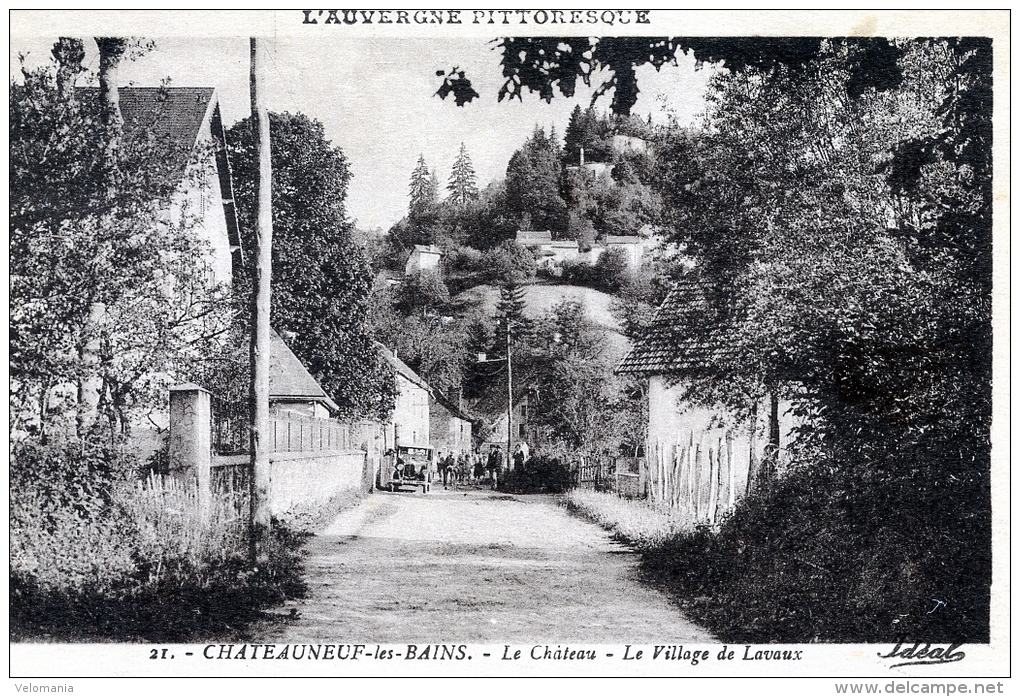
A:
(447, 467)
(495, 465)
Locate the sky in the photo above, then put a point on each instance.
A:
(376, 99)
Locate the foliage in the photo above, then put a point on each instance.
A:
(510, 316)
(424, 192)
(434, 346)
(845, 235)
(463, 185)
(541, 474)
(586, 130)
(585, 407)
(321, 279)
(96, 554)
(823, 273)
(421, 292)
(533, 184)
(612, 270)
(549, 64)
(510, 263)
(109, 286)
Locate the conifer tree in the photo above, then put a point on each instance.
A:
(424, 190)
(463, 186)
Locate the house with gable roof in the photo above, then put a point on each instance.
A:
(187, 123)
(699, 459)
(292, 389)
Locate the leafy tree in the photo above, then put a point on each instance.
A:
(533, 183)
(421, 292)
(108, 284)
(463, 185)
(612, 270)
(321, 279)
(547, 65)
(586, 407)
(844, 236)
(510, 262)
(585, 130)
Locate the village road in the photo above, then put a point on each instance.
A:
(474, 566)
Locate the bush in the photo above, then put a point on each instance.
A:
(539, 475)
(95, 555)
(510, 262)
(611, 272)
(818, 556)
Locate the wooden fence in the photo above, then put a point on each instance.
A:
(595, 473)
(288, 433)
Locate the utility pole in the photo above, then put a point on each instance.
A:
(258, 519)
(509, 399)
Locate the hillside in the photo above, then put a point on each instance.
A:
(540, 298)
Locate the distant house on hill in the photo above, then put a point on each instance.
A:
(698, 459)
(534, 238)
(423, 258)
(631, 245)
(624, 144)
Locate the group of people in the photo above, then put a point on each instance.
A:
(470, 467)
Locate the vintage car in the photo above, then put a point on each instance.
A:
(408, 466)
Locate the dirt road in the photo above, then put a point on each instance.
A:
(474, 566)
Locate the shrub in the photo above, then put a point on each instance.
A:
(817, 556)
(99, 555)
(539, 475)
(510, 262)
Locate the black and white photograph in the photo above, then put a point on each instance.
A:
(508, 343)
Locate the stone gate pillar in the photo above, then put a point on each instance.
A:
(191, 439)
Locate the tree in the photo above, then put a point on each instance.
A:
(510, 262)
(108, 287)
(586, 407)
(547, 65)
(510, 316)
(844, 240)
(533, 183)
(586, 131)
(321, 279)
(424, 191)
(421, 292)
(463, 186)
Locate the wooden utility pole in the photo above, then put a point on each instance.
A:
(261, 290)
(509, 400)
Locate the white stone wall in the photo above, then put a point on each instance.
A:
(312, 479)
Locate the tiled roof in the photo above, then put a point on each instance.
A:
(402, 368)
(534, 236)
(623, 239)
(288, 377)
(172, 115)
(449, 406)
(665, 348)
(427, 249)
